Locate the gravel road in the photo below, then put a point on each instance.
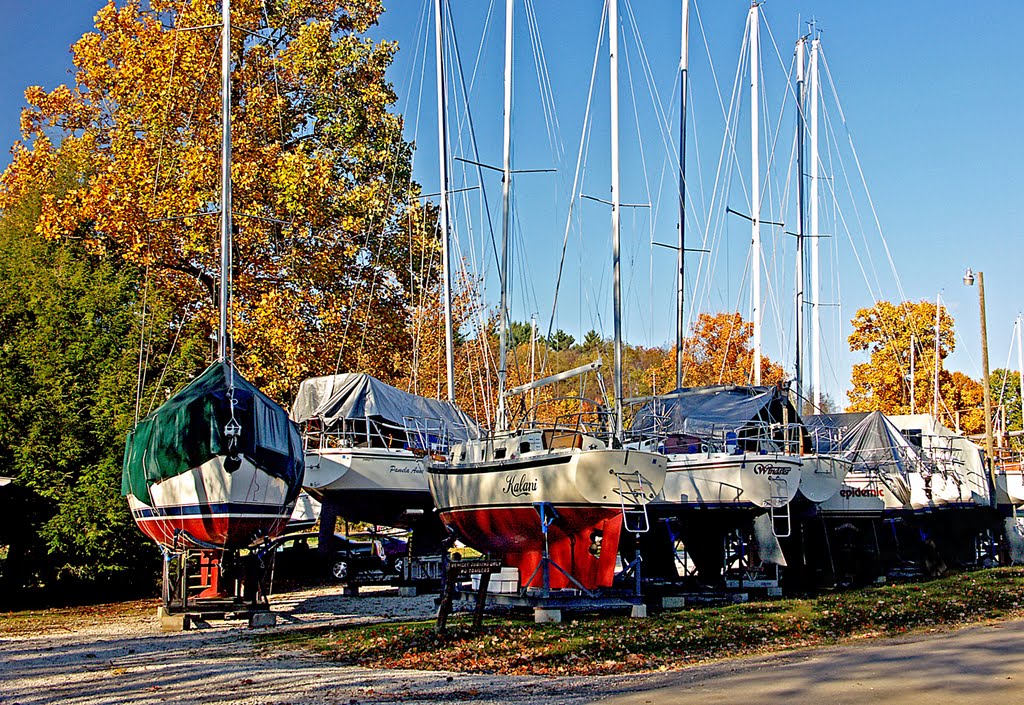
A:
(127, 660)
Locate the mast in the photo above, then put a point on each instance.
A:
(800, 217)
(815, 280)
(684, 70)
(913, 373)
(935, 385)
(506, 183)
(442, 218)
(755, 194)
(613, 48)
(1020, 368)
(225, 182)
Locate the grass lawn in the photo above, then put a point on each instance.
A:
(592, 644)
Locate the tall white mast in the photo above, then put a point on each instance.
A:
(800, 122)
(813, 79)
(613, 48)
(442, 217)
(913, 372)
(225, 182)
(1020, 368)
(935, 387)
(755, 194)
(506, 182)
(684, 69)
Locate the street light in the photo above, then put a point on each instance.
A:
(969, 281)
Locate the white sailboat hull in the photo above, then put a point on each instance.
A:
(214, 506)
(740, 481)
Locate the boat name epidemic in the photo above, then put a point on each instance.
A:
(518, 486)
(848, 492)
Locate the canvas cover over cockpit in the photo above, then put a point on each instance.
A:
(706, 411)
(869, 440)
(359, 397)
(188, 430)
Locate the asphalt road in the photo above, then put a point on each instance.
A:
(981, 665)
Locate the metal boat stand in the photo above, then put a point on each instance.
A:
(548, 603)
(205, 584)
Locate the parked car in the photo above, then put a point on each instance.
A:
(298, 556)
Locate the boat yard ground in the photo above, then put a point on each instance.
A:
(116, 654)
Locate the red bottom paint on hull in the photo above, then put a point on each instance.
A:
(225, 532)
(583, 541)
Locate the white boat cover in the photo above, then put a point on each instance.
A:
(356, 396)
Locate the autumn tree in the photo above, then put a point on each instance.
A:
(718, 351)
(885, 332)
(327, 250)
(962, 402)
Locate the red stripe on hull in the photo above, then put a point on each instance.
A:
(515, 535)
(226, 532)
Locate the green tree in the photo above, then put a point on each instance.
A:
(560, 340)
(519, 332)
(68, 371)
(591, 341)
(1005, 389)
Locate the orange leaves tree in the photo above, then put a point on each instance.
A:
(321, 175)
(885, 332)
(717, 351)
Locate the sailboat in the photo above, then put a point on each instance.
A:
(1009, 468)
(367, 445)
(558, 492)
(733, 452)
(219, 465)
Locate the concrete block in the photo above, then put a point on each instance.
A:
(262, 619)
(542, 615)
(638, 612)
(172, 622)
(673, 602)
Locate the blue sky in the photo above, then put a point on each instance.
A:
(930, 90)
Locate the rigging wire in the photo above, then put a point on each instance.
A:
(584, 149)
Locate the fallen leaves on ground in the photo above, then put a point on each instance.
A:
(592, 645)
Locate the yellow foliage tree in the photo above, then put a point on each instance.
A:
(327, 252)
(885, 332)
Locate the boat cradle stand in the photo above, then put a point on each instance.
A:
(212, 584)
(548, 603)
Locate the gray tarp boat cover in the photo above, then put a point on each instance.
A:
(704, 411)
(873, 444)
(869, 440)
(359, 396)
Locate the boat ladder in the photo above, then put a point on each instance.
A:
(782, 521)
(635, 491)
